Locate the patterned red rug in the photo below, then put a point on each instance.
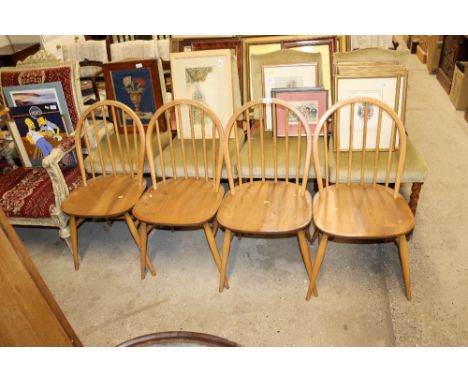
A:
(27, 192)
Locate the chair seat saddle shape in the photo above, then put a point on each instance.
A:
(266, 207)
(352, 211)
(105, 196)
(179, 202)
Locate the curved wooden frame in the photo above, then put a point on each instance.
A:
(243, 111)
(233, 122)
(217, 128)
(175, 338)
(399, 229)
(323, 124)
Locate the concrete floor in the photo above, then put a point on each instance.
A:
(361, 290)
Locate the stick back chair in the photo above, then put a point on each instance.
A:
(110, 191)
(185, 175)
(362, 209)
(270, 207)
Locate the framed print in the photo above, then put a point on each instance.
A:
(210, 77)
(51, 92)
(387, 89)
(313, 43)
(64, 74)
(287, 76)
(36, 130)
(311, 102)
(136, 84)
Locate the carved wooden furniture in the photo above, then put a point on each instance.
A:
(91, 55)
(434, 48)
(455, 48)
(113, 193)
(30, 315)
(178, 339)
(421, 50)
(459, 89)
(33, 196)
(11, 54)
(189, 191)
(269, 207)
(362, 209)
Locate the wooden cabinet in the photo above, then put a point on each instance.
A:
(455, 48)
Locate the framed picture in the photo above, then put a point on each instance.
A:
(287, 76)
(36, 130)
(325, 45)
(388, 89)
(64, 74)
(210, 77)
(311, 102)
(27, 95)
(136, 84)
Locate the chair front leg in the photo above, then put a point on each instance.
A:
(404, 260)
(74, 240)
(304, 247)
(214, 249)
(318, 262)
(224, 261)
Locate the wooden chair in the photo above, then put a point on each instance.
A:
(363, 209)
(113, 193)
(268, 207)
(186, 175)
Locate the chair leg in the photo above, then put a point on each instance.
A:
(215, 226)
(136, 237)
(307, 234)
(404, 259)
(74, 240)
(318, 262)
(214, 249)
(315, 236)
(143, 252)
(224, 261)
(304, 247)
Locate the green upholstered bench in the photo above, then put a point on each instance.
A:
(414, 171)
(269, 158)
(190, 157)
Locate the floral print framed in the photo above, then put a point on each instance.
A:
(136, 84)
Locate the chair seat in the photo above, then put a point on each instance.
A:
(268, 208)
(28, 193)
(107, 196)
(362, 211)
(181, 202)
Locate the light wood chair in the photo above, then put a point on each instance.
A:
(185, 176)
(114, 192)
(267, 207)
(362, 209)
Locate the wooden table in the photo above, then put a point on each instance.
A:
(10, 55)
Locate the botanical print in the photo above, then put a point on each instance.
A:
(361, 112)
(193, 78)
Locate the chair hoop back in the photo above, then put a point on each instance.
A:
(199, 141)
(110, 152)
(281, 112)
(373, 122)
